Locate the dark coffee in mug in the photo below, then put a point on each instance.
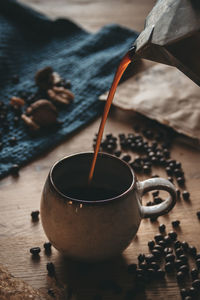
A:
(89, 193)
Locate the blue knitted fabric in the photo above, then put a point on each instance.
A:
(30, 41)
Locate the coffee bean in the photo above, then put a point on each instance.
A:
(110, 148)
(158, 200)
(166, 153)
(192, 292)
(168, 251)
(136, 167)
(162, 228)
(141, 257)
(177, 244)
(14, 170)
(180, 181)
(169, 171)
(35, 215)
(155, 193)
(151, 154)
(35, 250)
(179, 252)
(171, 164)
(178, 263)
(180, 276)
(47, 247)
(175, 223)
(133, 146)
(143, 265)
(167, 239)
(51, 269)
(146, 169)
(149, 203)
(156, 254)
(151, 244)
(185, 245)
(172, 235)
(159, 248)
(178, 173)
(185, 195)
(126, 157)
(169, 267)
(162, 244)
(198, 214)
(123, 144)
(118, 153)
(184, 269)
(162, 161)
(192, 250)
(154, 266)
(109, 136)
(170, 179)
(158, 237)
(194, 274)
(155, 176)
(169, 257)
(184, 293)
(188, 298)
(183, 258)
(121, 136)
(178, 165)
(150, 257)
(154, 160)
(196, 284)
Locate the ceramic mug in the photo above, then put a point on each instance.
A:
(97, 229)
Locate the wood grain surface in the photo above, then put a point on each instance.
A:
(19, 196)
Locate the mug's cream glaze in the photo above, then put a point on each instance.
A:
(97, 230)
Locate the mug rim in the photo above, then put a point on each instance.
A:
(79, 201)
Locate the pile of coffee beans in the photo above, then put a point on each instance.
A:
(167, 254)
(150, 149)
(150, 152)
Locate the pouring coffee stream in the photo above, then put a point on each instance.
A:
(171, 36)
(121, 69)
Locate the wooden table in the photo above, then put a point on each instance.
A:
(19, 196)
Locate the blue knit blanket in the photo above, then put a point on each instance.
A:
(30, 41)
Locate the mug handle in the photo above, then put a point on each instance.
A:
(157, 184)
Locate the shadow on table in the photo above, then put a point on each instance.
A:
(108, 279)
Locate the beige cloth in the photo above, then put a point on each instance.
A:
(164, 94)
